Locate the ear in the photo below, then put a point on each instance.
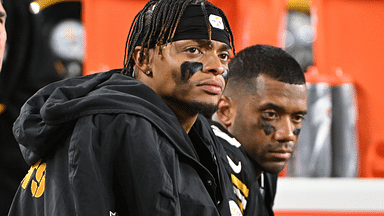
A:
(226, 112)
(141, 60)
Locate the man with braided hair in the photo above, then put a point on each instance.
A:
(131, 141)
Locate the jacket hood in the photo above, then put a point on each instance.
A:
(47, 115)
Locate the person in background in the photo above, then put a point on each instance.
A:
(258, 122)
(26, 66)
(131, 141)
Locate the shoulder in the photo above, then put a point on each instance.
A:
(112, 129)
(114, 135)
(225, 137)
(232, 147)
(113, 122)
(237, 158)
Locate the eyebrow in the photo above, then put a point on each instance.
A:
(205, 42)
(225, 47)
(271, 106)
(278, 108)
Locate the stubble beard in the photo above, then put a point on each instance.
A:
(194, 107)
(203, 108)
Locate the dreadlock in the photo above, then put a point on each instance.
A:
(166, 14)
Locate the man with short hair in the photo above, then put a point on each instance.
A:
(131, 141)
(258, 122)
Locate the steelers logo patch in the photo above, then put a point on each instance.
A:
(216, 21)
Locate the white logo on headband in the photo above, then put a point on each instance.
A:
(216, 21)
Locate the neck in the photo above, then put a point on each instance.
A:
(182, 111)
(187, 123)
(186, 117)
(256, 167)
(258, 172)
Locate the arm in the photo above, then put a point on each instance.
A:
(125, 168)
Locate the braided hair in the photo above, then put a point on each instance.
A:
(156, 24)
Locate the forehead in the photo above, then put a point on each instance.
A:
(288, 96)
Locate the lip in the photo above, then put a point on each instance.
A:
(283, 154)
(212, 86)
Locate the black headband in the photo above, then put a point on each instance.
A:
(193, 25)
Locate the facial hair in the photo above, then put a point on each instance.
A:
(203, 108)
(194, 107)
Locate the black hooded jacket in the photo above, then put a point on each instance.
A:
(105, 144)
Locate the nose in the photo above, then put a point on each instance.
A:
(285, 131)
(214, 65)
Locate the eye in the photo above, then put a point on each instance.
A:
(224, 56)
(298, 118)
(193, 50)
(269, 115)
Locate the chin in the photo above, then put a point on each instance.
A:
(207, 109)
(274, 168)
